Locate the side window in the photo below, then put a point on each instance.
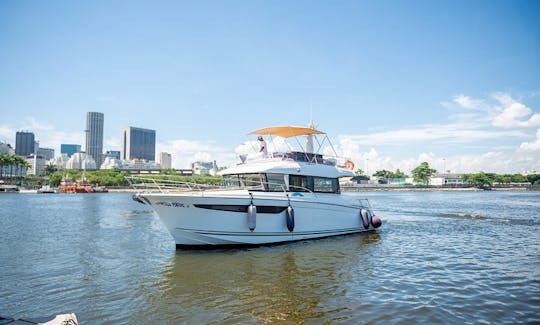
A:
(252, 181)
(275, 182)
(231, 181)
(326, 185)
(299, 183)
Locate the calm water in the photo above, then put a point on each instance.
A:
(456, 257)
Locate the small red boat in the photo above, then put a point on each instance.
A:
(81, 186)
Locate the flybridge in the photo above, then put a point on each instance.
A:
(308, 153)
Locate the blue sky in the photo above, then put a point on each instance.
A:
(393, 83)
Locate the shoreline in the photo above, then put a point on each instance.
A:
(370, 189)
(432, 188)
(394, 188)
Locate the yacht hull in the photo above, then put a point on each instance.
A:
(200, 219)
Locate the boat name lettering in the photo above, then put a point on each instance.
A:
(174, 204)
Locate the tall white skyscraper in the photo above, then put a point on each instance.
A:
(94, 136)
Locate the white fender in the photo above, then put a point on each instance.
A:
(252, 217)
(364, 215)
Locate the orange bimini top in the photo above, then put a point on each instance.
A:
(286, 131)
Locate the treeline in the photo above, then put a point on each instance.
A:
(423, 172)
(106, 177)
(115, 178)
(489, 179)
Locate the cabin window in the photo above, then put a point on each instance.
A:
(252, 181)
(325, 185)
(275, 183)
(298, 183)
(231, 181)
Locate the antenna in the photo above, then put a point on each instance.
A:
(309, 139)
(310, 112)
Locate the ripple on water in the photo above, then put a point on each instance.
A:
(439, 258)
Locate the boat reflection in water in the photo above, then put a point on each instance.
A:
(264, 285)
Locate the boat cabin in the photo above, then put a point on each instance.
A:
(289, 168)
(270, 182)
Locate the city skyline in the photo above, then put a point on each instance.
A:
(393, 84)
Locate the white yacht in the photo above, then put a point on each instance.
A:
(285, 195)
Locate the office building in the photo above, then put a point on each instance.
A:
(24, 143)
(46, 153)
(94, 136)
(69, 149)
(165, 160)
(113, 154)
(138, 143)
(37, 164)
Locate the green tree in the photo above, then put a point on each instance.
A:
(534, 179)
(11, 161)
(55, 179)
(479, 179)
(399, 174)
(359, 172)
(21, 164)
(383, 173)
(169, 171)
(3, 162)
(422, 173)
(48, 170)
(518, 178)
(389, 174)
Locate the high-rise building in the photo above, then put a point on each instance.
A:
(94, 136)
(46, 153)
(138, 143)
(24, 143)
(165, 160)
(69, 149)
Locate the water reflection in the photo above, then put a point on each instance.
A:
(293, 283)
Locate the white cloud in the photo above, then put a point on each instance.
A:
(30, 124)
(491, 161)
(184, 152)
(7, 133)
(53, 139)
(111, 144)
(467, 102)
(531, 146)
(499, 122)
(45, 134)
(513, 114)
(447, 133)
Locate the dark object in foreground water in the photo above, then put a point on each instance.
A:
(67, 319)
(376, 222)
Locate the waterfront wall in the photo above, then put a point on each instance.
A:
(386, 187)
